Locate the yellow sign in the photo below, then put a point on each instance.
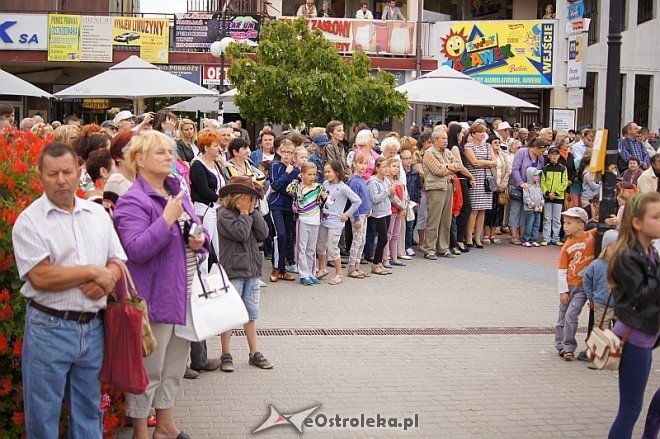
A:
(597, 163)
(151, 35)
(96, 104)
(500, 53)
(63, 37)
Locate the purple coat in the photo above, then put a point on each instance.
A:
(522, 161)
(156, 255)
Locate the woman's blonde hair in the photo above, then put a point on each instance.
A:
(188, 122)
(66, 134)
(636, 207)
(313, 132)
(408, 144)
(144, 142)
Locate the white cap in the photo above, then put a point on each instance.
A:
(503, 126)
(123, 115)
(577, 212)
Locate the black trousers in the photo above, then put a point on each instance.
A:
(466, 210)
(382, 224)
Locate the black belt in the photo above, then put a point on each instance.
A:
(76, 316)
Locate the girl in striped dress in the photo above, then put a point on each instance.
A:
(308, 197)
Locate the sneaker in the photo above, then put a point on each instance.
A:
(582, 356)
(405, 257)
(448, 254)
(306, 281)
(397, 264)
(430, 255)
(410, 252)
(544, 244)
(262, 284)
(455, 251)
(292, 268)
(226, 363)
(559, 243)
(536, 244)
(285, 276)
(387, 265)
(210, 365)
(314, 280)
(260, 361)
(527, 244)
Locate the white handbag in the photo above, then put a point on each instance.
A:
(604, 347)
(214, 306)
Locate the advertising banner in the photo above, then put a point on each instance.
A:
(212, 74)
(63, 37)
(370, 36)
(196, 30)
(96, 39)
(500, 54)
(151, 35)
(189, 72)
(23, 32)
(577, 65)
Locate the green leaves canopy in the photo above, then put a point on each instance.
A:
(296, 75)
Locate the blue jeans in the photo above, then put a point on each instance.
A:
(532, 225)
(285, 239)
(61, 359)
(249, 290)
(634, 371)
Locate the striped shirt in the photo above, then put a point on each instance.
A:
(84, 237)
(307, 202)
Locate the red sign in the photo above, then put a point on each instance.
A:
(212, 74)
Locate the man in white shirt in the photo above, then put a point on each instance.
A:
(307, 10)
(364, 13)
(66, 250)
(580, 148)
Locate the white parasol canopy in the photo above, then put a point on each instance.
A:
(446, 86)
(132, 79)
(15, 86)
(208, 104)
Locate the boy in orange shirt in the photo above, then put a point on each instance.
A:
(576, 254)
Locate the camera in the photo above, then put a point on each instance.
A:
(196, 231)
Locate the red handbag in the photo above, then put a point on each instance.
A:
(123, 367)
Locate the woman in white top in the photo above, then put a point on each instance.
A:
(495, 216)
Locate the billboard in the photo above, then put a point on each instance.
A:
(63, 37)
(500, 54)
(189, 72)
(23, 32)
(197, 30)
(151, 35)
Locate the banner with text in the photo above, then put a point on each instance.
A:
(151, 35)
(370, 36)
(189, 72)
(79, 38)
(63, 37)
(500, 54)
(197, 30)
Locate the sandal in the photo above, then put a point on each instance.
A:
(336, 280)
(357, 274)
(495, 240)
(515, 241)
(568, 356)
(379, 270)
(321, 273)
(364, 273)
(486, 240)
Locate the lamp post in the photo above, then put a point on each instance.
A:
(218, 50)
(612, 110)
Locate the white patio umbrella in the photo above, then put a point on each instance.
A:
(15, 86)
(445, 86)
(132, 79)
(205, 104)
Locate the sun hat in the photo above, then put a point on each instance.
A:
(503, 126)
(241, 184)
(123, 115)
(577, 212)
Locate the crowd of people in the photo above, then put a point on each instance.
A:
(391, 11)
(303, 200)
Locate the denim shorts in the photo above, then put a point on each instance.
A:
(249, 290)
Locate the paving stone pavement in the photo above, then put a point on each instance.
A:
(460, 386)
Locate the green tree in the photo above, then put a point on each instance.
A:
(296, 75)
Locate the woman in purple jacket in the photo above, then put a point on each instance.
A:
(153, 220)
(524, 158)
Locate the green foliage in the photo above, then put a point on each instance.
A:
(296, 75)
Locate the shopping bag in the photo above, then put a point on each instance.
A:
(123, 367)
(214, 306)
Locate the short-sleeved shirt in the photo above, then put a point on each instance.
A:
(576, 255)
(85, 236)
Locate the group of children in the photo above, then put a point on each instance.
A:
(321, 211)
